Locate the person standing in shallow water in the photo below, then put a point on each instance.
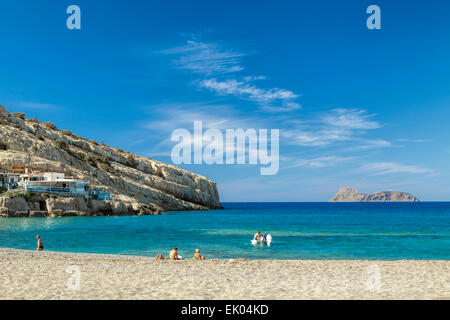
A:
(257, 236)
(40, 243)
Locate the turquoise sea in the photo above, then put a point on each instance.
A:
(300, 231)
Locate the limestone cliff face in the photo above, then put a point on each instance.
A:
(350, 194)
(132, 179)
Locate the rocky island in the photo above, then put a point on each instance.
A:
(89, 178)
(350, 194)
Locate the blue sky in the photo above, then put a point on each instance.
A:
(359, 107)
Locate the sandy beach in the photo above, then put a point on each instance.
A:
(53, 275)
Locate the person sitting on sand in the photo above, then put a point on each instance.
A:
(197, 255)
(257, 236)
(40, 243)
(159, 256)
(174, 254)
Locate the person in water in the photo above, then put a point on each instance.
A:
(257, 236)
(40, 243)
(173, 255)
(197, 255)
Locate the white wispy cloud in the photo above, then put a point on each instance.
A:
(336, 126)
(383, 168)
(351, 119)
(254, 78)
(372, 144)
(206, 58)
(310, 137)
(274, 99)
(34, 105)
(182, 115)
(219, 65)
(320, 162)
(413, 140)
(173, 116)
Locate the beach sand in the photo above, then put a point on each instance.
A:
(43, 275)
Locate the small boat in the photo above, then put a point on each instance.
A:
(265, 239)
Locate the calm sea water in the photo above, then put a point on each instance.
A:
(299, 230)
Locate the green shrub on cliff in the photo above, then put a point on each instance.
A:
(68, 133)
(106, 167)
(104, 164)
(27, 196)
(20, 115)
(131, 162)
(50, 125)
(40, 136)
(90, 160)
(78, 155)
(62, 145)
(99, 162)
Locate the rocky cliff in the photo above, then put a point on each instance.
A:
(350, 194)
(139, 184)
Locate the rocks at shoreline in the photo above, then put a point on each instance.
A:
(36, 205)
(350, 194)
